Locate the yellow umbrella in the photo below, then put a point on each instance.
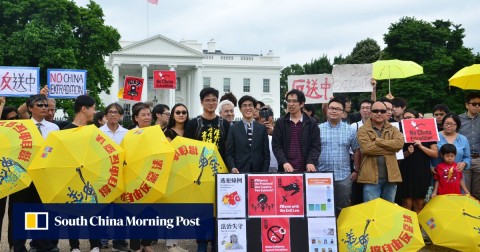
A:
(148, 159)
(452, 221)
(378, 225)
(20, 142)
(80, 165)
(192, 178)
(395, 69)
(467, 78)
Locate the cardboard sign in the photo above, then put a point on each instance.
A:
(424, 130)
(318, 88)
(66, 83)
(351, 78)
(164, 79)
(19, 81)
(132, 89)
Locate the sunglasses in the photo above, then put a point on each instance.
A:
(42, 105)
(180, 112)
(382, 111)
(475, 104)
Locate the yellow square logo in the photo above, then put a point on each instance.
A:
(36, 221)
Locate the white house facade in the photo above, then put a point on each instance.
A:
(242, 74)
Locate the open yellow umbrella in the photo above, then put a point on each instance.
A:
(452, 221)
(378, 225)
(148, 160)
(20, 142)
(80, 165)
(192, 178)
(395, 69)
(467, 78)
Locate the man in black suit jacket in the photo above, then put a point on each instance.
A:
(243, 155)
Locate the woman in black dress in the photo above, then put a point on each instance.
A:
(177, 121)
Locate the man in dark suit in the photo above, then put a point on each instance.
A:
(247, 143)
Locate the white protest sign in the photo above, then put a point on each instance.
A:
(318, 88)
(66, 83)
(350, 78)
(19, 81)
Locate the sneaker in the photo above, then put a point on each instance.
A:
(120, 249)
(96, 249)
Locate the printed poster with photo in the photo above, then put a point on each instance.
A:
(319, 192)
(322, 234)
(276, 235)
(232, 235)
(231, 198)
(272, 195)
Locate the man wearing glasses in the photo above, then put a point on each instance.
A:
(379, 141)
(161, 115)
(296, 137)
(336, 140)
(470, 128)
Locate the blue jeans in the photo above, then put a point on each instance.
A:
(383, 189)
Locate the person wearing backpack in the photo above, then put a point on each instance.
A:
(211, 128)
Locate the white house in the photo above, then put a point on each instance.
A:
(253, 74)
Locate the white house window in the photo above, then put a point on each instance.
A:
(266, 85)
(206, 82)
(246, 85)
(226, 84)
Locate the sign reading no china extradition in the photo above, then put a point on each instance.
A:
(19, 81)
(164, 79)
(66, 83)
(424, 130)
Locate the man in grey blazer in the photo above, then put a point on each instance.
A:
(247, 142)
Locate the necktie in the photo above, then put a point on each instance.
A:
(39, 125)
(249, 134)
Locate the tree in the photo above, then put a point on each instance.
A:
(321, 65)
(58, 34)
(365, 51)
(438, 47)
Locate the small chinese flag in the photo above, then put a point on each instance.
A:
(153, 1)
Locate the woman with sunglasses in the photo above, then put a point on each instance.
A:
(415, 169)
(177, 121)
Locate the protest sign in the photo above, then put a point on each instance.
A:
(318, 88)
(19, 81)
(66, 83)
(164, 79)
(132, 89)
(351, 78)
(424, 130)
(231, 196)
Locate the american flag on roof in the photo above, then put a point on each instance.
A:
(153, 1)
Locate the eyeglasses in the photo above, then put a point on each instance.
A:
(45, 105)
(439, 114)
(183, 112)
(113, 112)
(475, 104)
(335, 109)
(247, 105)
(365, 108)
(449, 124)
(210, 100)
(166, 113)
(382, 111)
(292, 101)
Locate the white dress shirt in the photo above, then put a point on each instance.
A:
(46, 127)
(117, 136)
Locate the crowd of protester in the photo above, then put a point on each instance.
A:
(359, 148)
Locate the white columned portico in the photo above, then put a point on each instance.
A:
(145, 82)
(116, 83)
(197, 86)
(171, 92)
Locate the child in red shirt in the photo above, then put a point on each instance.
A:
(448, 180)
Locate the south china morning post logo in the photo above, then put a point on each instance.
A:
(36, 220)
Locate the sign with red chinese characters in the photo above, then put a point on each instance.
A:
(318, 88)
(132, 89)
(276, 235)
(19, 81)
(164, 79)
(275, 195)
(424, 130)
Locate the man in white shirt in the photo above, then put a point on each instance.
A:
(112, 128)
(38, 108)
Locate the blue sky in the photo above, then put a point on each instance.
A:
(297, 31)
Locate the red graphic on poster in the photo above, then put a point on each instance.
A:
(289, 195)
(261, 199)
(164, 79)
(275, 235)
(133, 87)
(231, 198)
(424, 130)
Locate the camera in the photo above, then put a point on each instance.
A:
(265, 113)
